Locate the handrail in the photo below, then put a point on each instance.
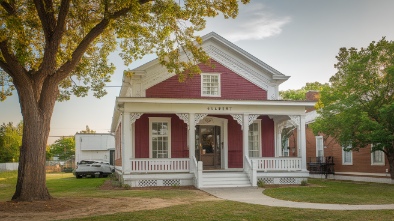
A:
(251, 170)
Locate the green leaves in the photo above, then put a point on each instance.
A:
(63, 148)
(10, 141)
(299, 94)
(358, 108)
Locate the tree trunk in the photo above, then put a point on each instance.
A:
(37, 113)
(390, 158)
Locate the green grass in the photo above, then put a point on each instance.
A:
(65, 185)
(228, 210)
(338, 192)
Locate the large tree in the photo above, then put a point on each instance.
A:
(51, 49)
(358, 109)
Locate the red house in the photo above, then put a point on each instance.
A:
(222, 128)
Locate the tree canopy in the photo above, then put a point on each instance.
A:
(358, 109)
(64, 148)
(10, 142)
(51, 49)
(299, 94)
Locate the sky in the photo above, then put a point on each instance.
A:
(299, 38)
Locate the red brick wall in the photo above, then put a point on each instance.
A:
(267, 137)
(233, 86)
(361, 158)
(178, 136)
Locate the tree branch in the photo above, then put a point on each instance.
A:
(67, 67)
(8, 8)
(47, 17)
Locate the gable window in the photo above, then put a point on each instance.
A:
(210, 85)
(319, 147)
(377, 157)
(160, 137)
(347, 156)
(254, 139)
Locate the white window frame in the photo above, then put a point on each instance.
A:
(343, 157)
(219, 85)
(373, 162)
(319, 146)
(258, 122)
(159, 120)
(286, 150)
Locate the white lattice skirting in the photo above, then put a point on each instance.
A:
(281, 180)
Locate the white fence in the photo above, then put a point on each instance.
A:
(278, 163)
(8, 166)
(160, 165)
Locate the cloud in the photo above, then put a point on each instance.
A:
(254, 22)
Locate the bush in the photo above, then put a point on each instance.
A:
(260, 183)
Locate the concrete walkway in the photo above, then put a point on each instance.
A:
(254, 195)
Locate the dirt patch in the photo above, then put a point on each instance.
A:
(68, 208)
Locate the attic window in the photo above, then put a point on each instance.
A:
(210, 85)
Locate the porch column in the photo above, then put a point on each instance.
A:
(192, 132)
(245, 130)
(126, 143)
(302, 142)
(278, 149)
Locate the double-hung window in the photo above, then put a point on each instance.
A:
(160, 137)
(319, 147)
(254, 136)
(210, 85)
(347, 156)
(377, 157)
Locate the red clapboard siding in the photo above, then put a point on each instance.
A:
(267, 137)
(233, 86)
(235, 150)
(178, 136)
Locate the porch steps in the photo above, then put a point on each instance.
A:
(224, 179)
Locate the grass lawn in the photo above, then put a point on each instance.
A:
(65, 185)
(338, 192)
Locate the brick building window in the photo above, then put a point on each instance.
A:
(160, 137)
(210, 85)
(255, 139)
(319, 147)
(347, 156)
(377, 157)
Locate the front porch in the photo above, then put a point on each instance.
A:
(186, 172)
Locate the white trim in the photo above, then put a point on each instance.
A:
(373, 163)
(160, 119)
(343, 157)
(219, 84)
(259, 147)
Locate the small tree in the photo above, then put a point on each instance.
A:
(299, 94)
(64, 148)
(10, 142)
(358, 109)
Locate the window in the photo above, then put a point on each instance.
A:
(160, 137)
(319, 147)
(210, 85)
(254, 139)
(347, 156)
(377, 157)
(285, 149)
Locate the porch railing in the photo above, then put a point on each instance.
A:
(196, 169)
(278, 163)
(251, 170)
(147, 165)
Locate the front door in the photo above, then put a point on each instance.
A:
(208, 150)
